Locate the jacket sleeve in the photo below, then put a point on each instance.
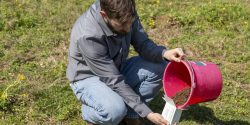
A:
(95, 54)
(143, 45)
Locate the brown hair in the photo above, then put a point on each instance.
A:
(122, 10)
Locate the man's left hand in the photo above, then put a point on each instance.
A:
(174, 55)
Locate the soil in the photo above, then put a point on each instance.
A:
(181, 97)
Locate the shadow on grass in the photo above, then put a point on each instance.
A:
(202, 115)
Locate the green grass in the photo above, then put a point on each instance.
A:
(34, 38)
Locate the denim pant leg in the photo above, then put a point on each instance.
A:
(100, 104)
(145, 78)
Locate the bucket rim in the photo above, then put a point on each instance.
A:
(188, 66)
(190, 69)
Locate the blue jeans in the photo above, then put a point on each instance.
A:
(144, 77)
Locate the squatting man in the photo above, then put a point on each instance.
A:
(113, 88)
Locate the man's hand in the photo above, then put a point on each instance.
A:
(157, 119)
(174, 55)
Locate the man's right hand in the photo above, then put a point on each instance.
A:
(157, 119)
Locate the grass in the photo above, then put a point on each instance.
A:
(33, 56)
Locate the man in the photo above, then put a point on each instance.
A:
(110, 86)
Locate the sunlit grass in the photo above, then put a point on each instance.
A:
(34, 38)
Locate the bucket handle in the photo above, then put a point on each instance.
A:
(193, 84)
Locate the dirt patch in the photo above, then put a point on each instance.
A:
(181, 97)
(166, 29)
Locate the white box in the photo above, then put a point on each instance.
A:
(170, 112)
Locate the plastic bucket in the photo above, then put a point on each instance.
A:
(203, 79)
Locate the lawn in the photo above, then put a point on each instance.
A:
(34, 39)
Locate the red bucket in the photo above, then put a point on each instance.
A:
(202, 80)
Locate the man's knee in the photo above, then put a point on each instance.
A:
(116, 112)
(105, 114)
(153, 70)
(160, 67)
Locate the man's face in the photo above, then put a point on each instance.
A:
(117, 27)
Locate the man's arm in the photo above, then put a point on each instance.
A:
(95, 54)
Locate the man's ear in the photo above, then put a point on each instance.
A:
(103, 13)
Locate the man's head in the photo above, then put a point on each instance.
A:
(118, 14)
